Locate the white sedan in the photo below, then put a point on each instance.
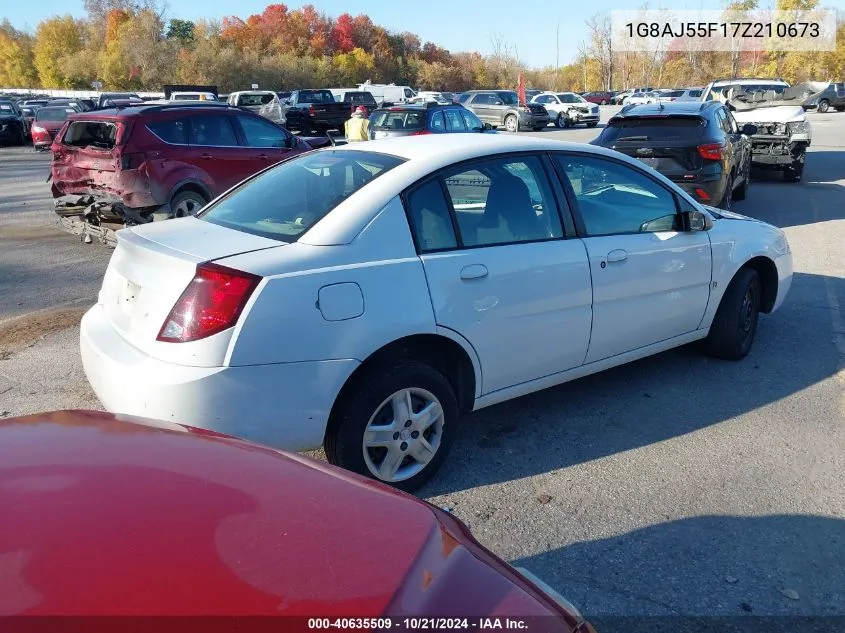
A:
(363, 297)
(642, 97)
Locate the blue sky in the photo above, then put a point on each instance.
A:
(458, 25)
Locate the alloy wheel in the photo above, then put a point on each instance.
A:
(403, 435)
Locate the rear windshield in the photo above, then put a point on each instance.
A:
(359, 97)
(6, 107)
(652, 129)
(286, 201)
(695, 93)
(315, 96)
(99, 134)
(672, 93)
(254, 100)
(53, 114)
(398, 120)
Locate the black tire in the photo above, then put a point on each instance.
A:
(561, 121)
(794, 173)
(735, 324)
(741, 192)
(727, 196)
(593, 124)
(511, 123)
(539, 128)
(603, 102)
(824, 105)
(344, 441)
(187, 203)
(21, 137)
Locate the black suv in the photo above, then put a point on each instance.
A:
(697, 145)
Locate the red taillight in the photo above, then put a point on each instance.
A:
(703, 195)
(420, 132)
(712, 151)
(211, 303)
(312, 111)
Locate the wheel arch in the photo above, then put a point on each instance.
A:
(190, 184)
(445, 351)
(768, 273)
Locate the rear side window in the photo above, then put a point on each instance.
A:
(100, 134)
(695, 93)
(212, 130)
(438, 124)
(313, 184)
(398, 120)
(430, 219)
(464, 97)
(174, 131)
(652, 129)
(254, 100)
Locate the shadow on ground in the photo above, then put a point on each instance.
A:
(715, 566)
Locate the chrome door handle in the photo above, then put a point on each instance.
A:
(617, 255)
(474, 271)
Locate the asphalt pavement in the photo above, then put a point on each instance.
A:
(674, 486)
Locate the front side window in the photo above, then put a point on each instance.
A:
(473, 123)
(454, 121)
(261, 133)
(212, 130)
(503, 201)
(284, 202)
(616, 199)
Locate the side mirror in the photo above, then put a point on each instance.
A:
(749, 129)
(695, 221)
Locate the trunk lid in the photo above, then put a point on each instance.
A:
(151, 267)
(92, 148)
(668, 144)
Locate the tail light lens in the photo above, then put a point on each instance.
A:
(131, 161)
(38, 129)
(702, 195)
(211, 303)
(312, 111)
(712, 151)
(420, 132)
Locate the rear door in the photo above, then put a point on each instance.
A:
(89, 155)
(479, 103)
(651, 281)
(667, 143)
(213, 148)
(736, 142)
(499, 269)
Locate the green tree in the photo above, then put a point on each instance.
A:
(182, 30)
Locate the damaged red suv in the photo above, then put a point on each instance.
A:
(139, 161)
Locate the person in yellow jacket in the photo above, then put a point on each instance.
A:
(358, 127)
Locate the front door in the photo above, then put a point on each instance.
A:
(651, 281)
(265, 143)
(500, 272)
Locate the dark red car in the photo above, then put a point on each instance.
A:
(106, 515)
(48, 121)
(171, 158)
(599, 97)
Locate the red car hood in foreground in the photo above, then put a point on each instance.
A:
(116, 515)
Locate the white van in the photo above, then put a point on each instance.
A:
(388, 93)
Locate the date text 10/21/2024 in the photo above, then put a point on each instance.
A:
(419, 624)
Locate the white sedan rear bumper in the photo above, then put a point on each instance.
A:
(284, 405)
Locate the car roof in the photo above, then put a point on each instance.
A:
(436, 151)
(102, 508)
(748, 82)
(154, 107)
(671, 107)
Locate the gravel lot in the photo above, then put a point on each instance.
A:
(677, 485)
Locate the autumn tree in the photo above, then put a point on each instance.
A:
(55, 39)
(16, 63)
